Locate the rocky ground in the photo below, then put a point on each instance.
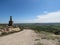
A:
(45, 38)
(29, 37)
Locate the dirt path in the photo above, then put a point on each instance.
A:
(24, 37)
(28, 37)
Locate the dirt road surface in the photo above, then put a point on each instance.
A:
(25, 37)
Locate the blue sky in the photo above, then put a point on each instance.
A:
(30, 11)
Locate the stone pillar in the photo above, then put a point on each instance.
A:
(10, 22)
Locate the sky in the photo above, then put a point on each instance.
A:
(30, 11)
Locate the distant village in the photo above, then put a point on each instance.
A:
(9, 28)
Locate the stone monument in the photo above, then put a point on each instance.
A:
(10, 22)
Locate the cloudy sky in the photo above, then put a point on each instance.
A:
(30, 11)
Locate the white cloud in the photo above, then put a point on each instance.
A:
(48, 17)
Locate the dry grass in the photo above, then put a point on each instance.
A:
(39, 43)
(48, 38)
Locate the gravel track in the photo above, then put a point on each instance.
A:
(24, 37)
